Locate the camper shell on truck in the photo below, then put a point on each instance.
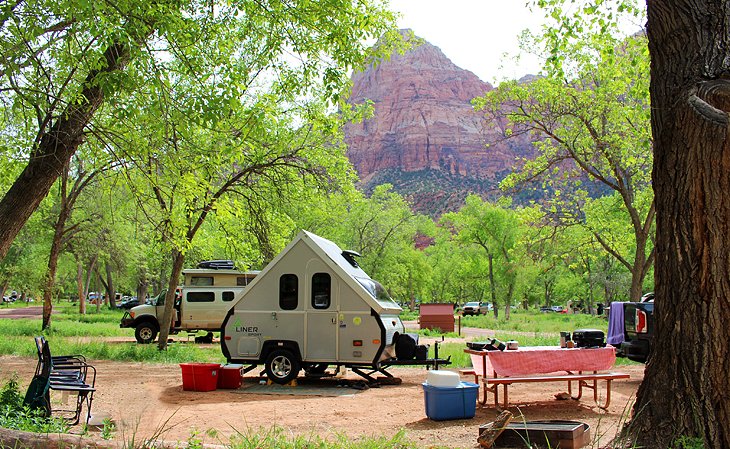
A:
(201, 303)
(310, 308)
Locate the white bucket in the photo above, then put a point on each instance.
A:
(443, 378)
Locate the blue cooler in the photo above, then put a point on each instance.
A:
(443, 403)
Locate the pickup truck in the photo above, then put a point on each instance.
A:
(638, 331)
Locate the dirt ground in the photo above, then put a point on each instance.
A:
(144, 398)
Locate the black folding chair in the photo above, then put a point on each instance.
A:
(70, 374)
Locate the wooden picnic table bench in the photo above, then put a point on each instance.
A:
(543, 364)
(584, 380)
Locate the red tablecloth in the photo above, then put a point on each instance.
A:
(541, 359)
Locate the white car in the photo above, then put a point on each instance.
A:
(475, 308)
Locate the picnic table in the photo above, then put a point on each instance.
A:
(586, 366)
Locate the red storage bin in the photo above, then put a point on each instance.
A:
(230, 376)
(200, 376)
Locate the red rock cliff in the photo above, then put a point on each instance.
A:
(424, 119)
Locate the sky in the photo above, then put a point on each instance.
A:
(474, 34)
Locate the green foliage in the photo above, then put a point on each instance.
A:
(279, 438)
(590, 118)
(14, 415)
(686, 442)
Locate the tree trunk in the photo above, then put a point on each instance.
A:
(178, 259)
(492, 287)
(56, 246)
(51, 275)
(89, 275)
(80, 286)
(686, 387)
(142, 284)
(109, 285)
(59, 143)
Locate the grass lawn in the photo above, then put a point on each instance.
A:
(72, 333)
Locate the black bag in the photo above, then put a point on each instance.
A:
(405, 346)
(421, 352)
(589, 338)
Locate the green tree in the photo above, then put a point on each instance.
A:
(62, 61)
(590, 116)
(494, 228)
(684, 391)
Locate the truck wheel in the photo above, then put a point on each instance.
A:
(282, 366)
(145, 333)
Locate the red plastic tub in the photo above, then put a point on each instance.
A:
(230, 376)
(200, 376)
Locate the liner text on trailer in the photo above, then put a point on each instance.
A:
(312, 307)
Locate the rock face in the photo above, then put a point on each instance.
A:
(424, 122)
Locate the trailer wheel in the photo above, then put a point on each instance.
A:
(282, 366)
(145, 333)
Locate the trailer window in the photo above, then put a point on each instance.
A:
(204, 281)
(377, 291)
(228, 296)
(200, 297)
(288, 291)
(321, 287)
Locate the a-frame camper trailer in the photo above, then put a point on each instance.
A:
(310, 308)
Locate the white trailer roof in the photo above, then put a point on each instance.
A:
(331, 254)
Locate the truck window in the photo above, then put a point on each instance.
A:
(204, 281)
(200, 297)
(288, 291)
(321, 287)
(228, 296)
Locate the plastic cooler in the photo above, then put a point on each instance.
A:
(443, 378)
(230, 376)
(200, 376)
(443, 403)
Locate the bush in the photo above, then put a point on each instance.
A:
(15, 415)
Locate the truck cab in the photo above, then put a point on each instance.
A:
(201, 303)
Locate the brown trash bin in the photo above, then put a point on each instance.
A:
(437, 316)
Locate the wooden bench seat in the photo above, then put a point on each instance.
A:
(584, 380)
(470, 372)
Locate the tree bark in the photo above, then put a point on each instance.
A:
(55, 252)
(178, 259)
(686, 387)
(492, 287)
(80, 286)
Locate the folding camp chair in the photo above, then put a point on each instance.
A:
(72, 375)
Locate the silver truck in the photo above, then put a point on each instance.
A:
(201, 303)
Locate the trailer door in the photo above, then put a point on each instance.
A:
(321, 344)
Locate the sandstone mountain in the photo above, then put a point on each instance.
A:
(425, 137)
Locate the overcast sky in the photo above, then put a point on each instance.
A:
(474, 34)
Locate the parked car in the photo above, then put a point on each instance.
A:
(128, 302)
(475, 308)
(557, 309)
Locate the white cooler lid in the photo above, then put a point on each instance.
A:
(443, 378)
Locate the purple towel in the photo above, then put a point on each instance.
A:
(615, 324)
